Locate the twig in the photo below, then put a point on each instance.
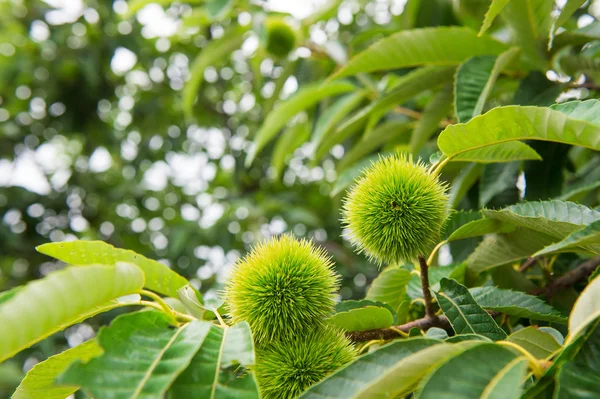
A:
(586, 85)
(425, 286)
(387, 333)
(418, 115)
(527, 264)
(569, 279)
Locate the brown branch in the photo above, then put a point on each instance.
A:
(586, 85)
(527, 264)
(429, 311)
(569, 279)
(385, 333)
(418, 115)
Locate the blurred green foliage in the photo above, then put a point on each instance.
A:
(121, 121)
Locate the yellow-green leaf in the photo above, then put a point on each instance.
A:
(159, 277)
(65, 297)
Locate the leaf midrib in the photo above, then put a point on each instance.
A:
(218, 365)
(498, 377)
(459, 311)
(154, 364)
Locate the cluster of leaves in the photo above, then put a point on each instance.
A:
(501, 101)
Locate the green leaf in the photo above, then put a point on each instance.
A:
(404, 88)
(558, 337)
(586, 237)
(458, 219)
(142, 356)
(386, 133)
(391, 371)
(493, 11)
(362, 315)
(503, 152)
(554, 218)
(579, 36)
(530, 22)
(488, 371)
(414, 289)
(334, 114)
(537, 89)
(435, 110)
(500, 249)
(389, 286)
(479, 228)
(576, 192)
(586, 62)
(515, 303)
(65, 297)
(475, 79)
(471, 78)
(507, 277)
(464, 314)
(567, 354)
(463, 183)
(159, 277)
(497, 179)
(218, 9)
(585, 310)
(567, 11)
(212, 372)
(39, 381)
(6, 295)
(190, 300)
(403, 308)
(215, 52)
(540, 344)
(305, 98)
(510, 123)
(349, 176)
(467, 224)
(467, 337)
(292, 138)
(433, 46)
(579, 378)
(436, 333)
(587, 110)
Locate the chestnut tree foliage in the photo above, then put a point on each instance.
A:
(349, 199)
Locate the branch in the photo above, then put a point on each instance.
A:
(386, 334)
(418, 115)
(527, 264)
(429, 311)
(569, 279)
(430, 320)
(586, 85)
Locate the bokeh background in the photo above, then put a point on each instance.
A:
(95, 143)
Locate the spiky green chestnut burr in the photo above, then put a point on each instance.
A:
(285, 369)
(281, 38)
(396, 210)
(282, 287)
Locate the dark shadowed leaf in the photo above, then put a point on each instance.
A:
(515, 303)
(464, 314)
